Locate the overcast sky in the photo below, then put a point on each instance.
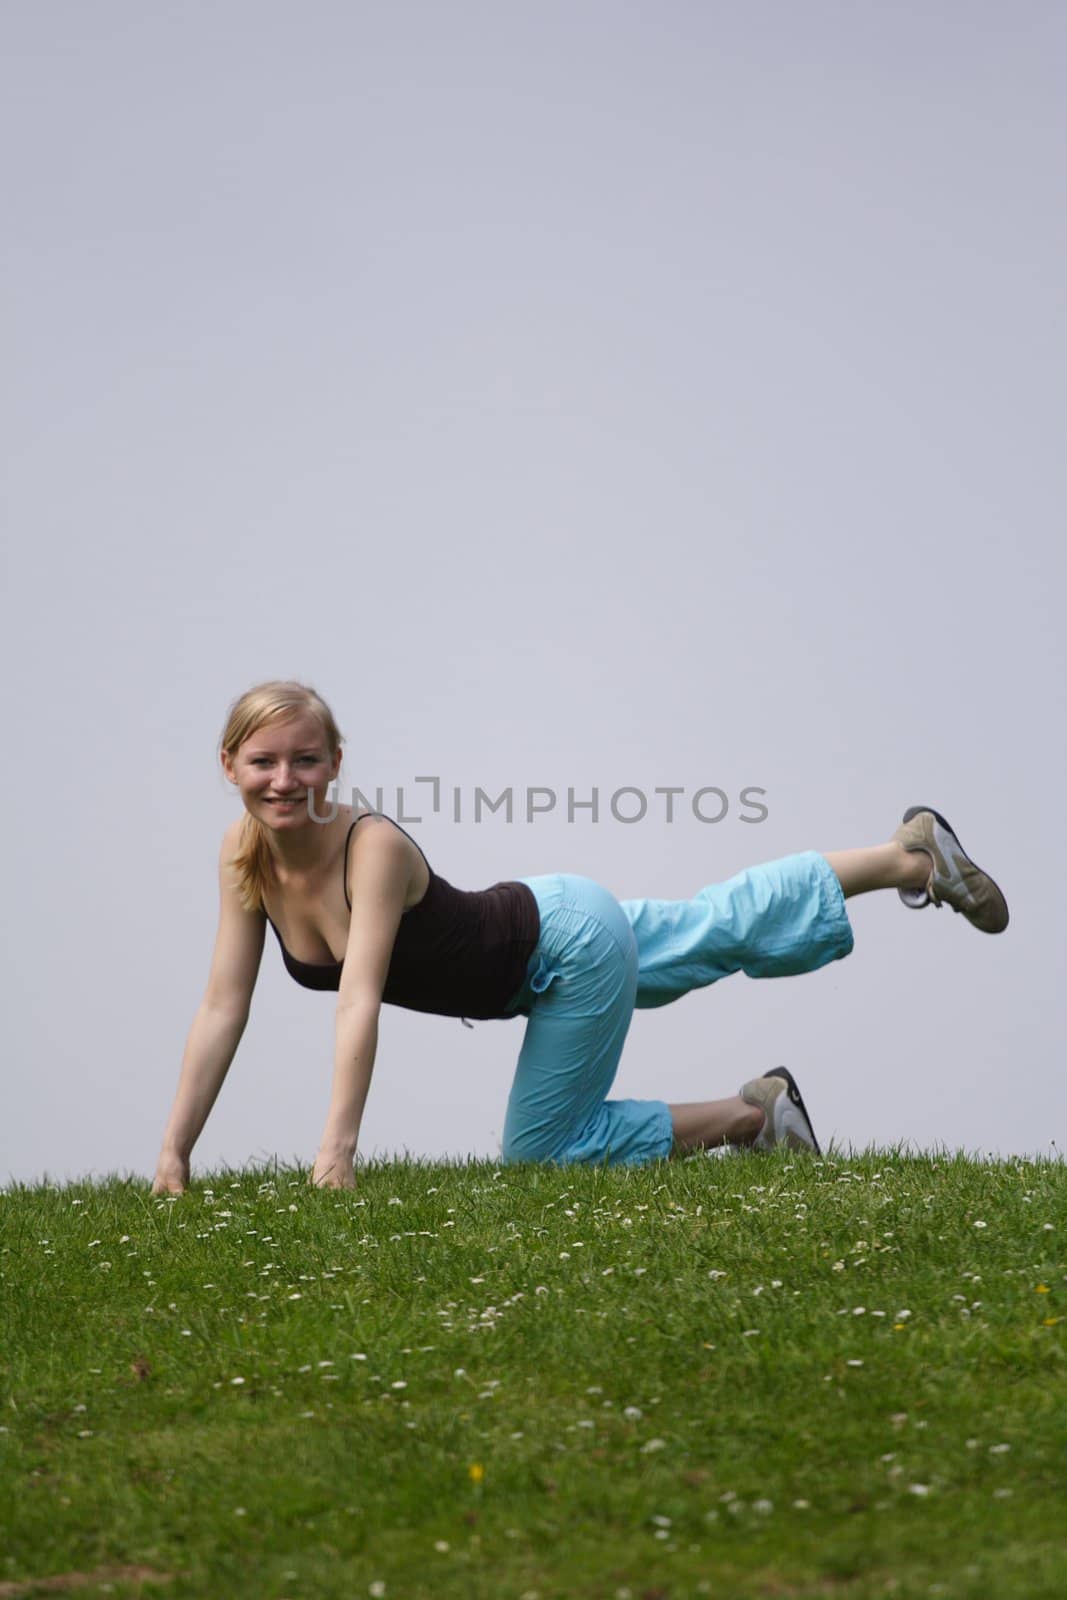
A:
(576, 395)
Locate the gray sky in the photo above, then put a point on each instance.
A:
(576, 395)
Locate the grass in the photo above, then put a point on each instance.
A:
(761, 1376)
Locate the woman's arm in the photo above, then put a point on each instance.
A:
(211, 1047)
(217, 1027)
(380, 872)
(355, 1049)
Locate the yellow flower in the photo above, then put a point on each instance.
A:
(898, 1327)
(1050, 1322)
(477, 1471)
(1042, 1288)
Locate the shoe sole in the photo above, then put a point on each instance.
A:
(914, 811)
(796, 1098)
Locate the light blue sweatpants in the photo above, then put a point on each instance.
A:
(598, 958)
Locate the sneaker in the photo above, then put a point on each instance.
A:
(956, 880)
(787, 1122)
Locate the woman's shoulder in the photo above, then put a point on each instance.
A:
(231, 838)
(405, 852)
(231, 841)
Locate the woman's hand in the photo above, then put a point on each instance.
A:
(172, 1173)
(333, 1168)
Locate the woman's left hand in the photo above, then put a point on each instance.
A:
(333, 1169)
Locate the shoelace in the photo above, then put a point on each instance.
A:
(930, 889)
(933, 898)
(936, 900)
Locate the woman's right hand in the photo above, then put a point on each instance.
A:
(172, 1173)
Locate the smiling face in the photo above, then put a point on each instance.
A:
(277, 767)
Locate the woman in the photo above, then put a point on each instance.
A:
(356, 908)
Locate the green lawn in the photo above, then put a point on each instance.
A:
(758, 1375)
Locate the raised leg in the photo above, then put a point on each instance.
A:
(881, 866)
(772, 921)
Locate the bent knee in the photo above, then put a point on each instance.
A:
(528, 1146)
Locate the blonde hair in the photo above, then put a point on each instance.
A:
(276, 701)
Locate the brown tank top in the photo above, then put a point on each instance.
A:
(458, 953)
